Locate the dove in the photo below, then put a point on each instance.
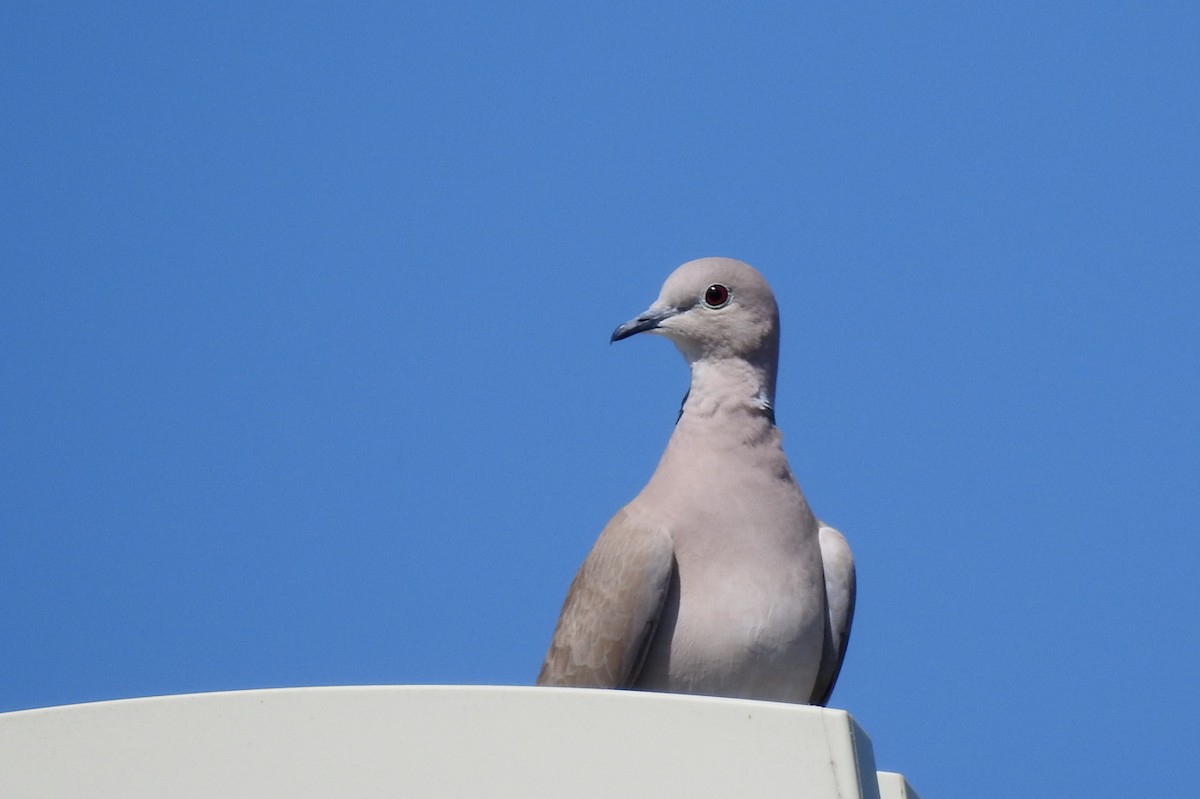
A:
(716, 579)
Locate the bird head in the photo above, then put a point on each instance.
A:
(713, 309)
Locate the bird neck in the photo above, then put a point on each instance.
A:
(731, 385)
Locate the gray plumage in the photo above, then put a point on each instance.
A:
(716, 579)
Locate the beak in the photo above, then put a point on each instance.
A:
(650, 319)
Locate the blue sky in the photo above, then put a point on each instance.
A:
(306, 380)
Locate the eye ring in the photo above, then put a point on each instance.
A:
(716, 296)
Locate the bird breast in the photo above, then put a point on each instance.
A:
(742, 616)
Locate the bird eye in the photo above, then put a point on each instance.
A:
(716, 296)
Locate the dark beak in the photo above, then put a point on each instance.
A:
(649, 320)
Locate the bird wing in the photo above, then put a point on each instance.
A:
(612, 608)
(840, 590)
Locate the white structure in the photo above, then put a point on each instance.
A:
(438, 741)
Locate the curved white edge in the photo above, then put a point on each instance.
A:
(377, 741)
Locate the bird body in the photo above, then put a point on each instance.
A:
(712, 579)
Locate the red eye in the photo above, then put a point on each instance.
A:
(716, 295)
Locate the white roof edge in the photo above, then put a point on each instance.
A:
(437, 740)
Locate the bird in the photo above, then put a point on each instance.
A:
(716, 579)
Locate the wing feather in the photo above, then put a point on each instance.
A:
(840, 589)
(612, 608)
